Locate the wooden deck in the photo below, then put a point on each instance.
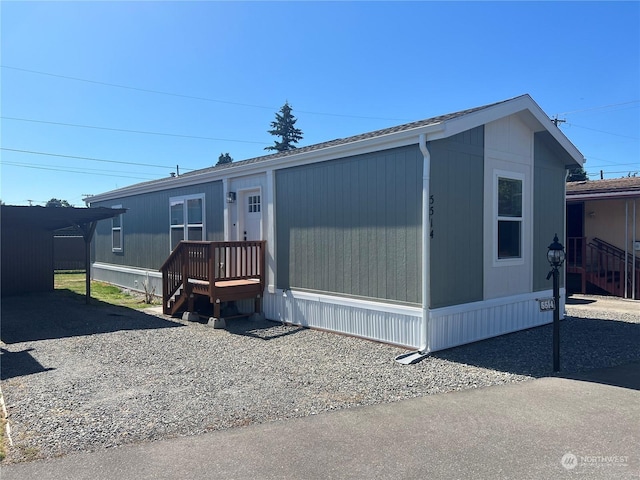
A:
(221, 271)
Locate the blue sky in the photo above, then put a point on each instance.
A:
(202, 78)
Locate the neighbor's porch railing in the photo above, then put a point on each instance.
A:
(603, 265)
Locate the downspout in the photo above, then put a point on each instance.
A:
(425, 344)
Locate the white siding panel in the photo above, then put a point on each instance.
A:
(398, 325)
(453, 326)
(130, 278)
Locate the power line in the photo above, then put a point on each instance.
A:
(130, 131)
(191, 97)
(598, 108)
(72, 168)
(612, 165)
(600, 174)
(49, 154)
(602, 131)
(70, 171)
(137, 89)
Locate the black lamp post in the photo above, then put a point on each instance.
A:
(556, 255)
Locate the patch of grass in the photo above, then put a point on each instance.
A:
(75, 282)
(3, 438)
(29, 453)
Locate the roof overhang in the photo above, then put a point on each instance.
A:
(602, 196)
(529, 112)
(523, 106)
(54, 218)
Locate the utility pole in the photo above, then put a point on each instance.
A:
(556, 121)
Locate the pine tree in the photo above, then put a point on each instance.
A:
(284, 127)
(577, 174)
(224, 158)
(54, 202)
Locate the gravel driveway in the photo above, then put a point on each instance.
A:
(78, 377)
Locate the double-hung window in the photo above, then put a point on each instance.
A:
(186, 218)
(509, 218)
(116, 231)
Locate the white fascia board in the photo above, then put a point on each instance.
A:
(512, 107)
(359, 147)
(603, 196)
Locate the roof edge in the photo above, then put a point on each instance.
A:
(441, 127)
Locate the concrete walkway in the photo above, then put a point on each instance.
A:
(550, 428)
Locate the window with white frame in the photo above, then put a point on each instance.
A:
(186, 218)
(509, 218)
(116, 231)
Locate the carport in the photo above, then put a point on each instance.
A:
(26, 243)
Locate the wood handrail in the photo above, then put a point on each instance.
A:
(211, 262)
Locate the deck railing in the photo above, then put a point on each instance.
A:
(606, 270)
(604, 265)
(205, 263)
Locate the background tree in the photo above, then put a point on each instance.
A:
(54, 202)
(577, 174)
(224, 158)
(284, 127)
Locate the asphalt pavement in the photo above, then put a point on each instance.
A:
(549, 428)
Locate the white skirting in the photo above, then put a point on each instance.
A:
(395, 324)
(400, 325)
(383, 322)
(128, 277)
(461, 324)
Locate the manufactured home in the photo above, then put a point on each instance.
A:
(426, 235)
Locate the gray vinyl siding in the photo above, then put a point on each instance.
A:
(456, 187)
(145, 226)
(548, 205)
(352, 226)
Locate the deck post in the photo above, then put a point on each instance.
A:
(87, 230)
(257, 304)
(185, 277)
(211, 274)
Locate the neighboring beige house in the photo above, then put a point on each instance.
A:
(603, 236)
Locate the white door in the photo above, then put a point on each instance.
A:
(251, 216)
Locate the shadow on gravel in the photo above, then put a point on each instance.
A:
(62, 314)
(17, 364)
(579, 301)
(585, 345)
(261, 330)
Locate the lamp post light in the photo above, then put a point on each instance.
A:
(556, 256)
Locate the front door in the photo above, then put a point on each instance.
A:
(250, 225)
